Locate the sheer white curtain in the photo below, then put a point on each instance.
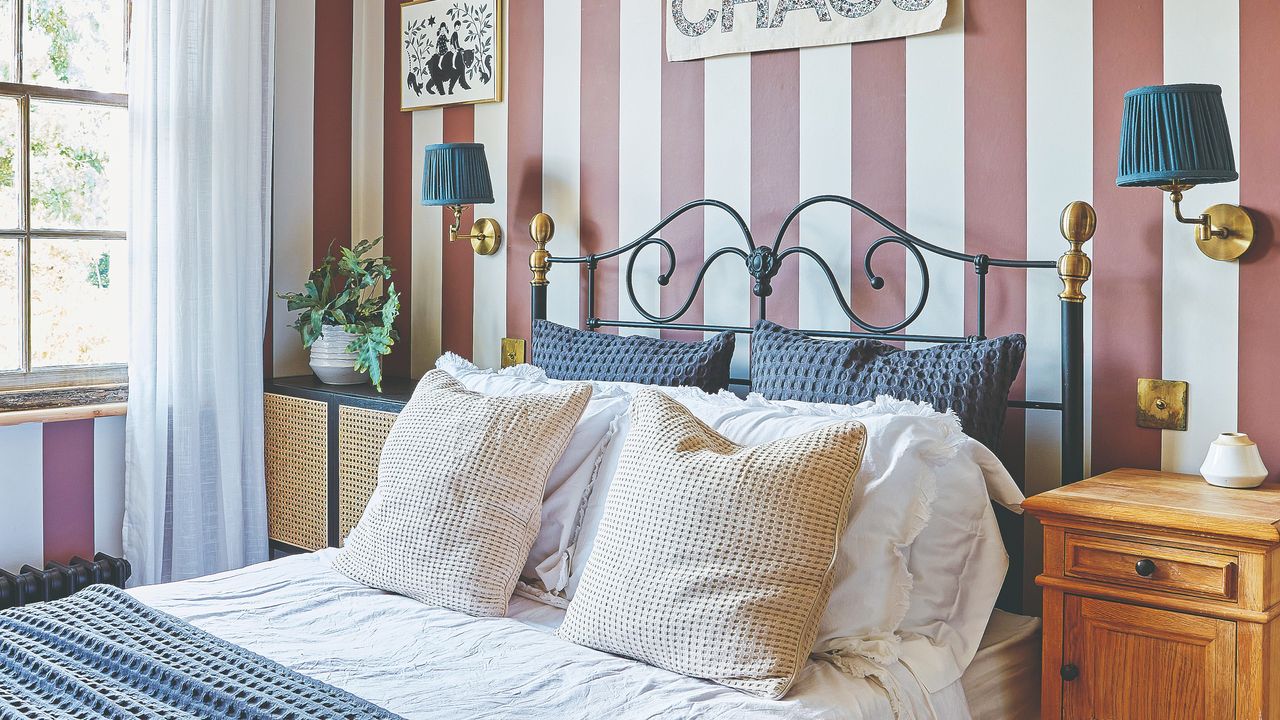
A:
(200, 99)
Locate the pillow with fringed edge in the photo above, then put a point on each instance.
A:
(459, 494)
(546, 573)
(716, 559)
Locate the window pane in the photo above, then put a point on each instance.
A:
(10, 163)
(79, 166)
(7, 72)
(79, 302)
(11, 320)
(74, 43)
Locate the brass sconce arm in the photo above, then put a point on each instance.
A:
(1204, 224)
(457, 223)
(1223, 232)
(485, 235)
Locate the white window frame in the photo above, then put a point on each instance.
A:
(27, 377)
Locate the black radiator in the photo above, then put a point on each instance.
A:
(58, 581)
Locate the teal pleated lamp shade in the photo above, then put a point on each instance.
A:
(456, 174)
(1175, 133)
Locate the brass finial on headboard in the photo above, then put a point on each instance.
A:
(541, 229)
(1078, 223)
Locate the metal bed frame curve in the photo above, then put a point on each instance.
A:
(762, 262)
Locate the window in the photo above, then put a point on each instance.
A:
(63, 192)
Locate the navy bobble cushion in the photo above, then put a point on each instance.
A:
(566, 353)
(972, 379)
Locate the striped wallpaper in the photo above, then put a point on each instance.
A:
(973, 137)
(62, 489)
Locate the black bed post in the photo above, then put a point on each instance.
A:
(1078, 223)
(541, 229)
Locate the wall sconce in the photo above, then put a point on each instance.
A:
(1175, 137)
(457, 174)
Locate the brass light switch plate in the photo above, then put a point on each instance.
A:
(512, 351)
(1162, 404)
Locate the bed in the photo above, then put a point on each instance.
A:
(417, 660)
(423, 662)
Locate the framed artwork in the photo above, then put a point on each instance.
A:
(705, 28)
(450, 53)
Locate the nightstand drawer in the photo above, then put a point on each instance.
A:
(1152, 567)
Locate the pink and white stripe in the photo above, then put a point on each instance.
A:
(974, 137)
(63, 490)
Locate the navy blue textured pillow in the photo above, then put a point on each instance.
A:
(570, 354)
(973, 379)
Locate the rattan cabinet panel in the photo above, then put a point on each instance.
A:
(297, 462)
(361, 435)
(323, 446)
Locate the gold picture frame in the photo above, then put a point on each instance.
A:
(429, 73)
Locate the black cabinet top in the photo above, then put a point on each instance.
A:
(396, 391)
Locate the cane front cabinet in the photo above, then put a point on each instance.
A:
(322, 448)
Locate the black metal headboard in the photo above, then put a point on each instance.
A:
(762, 263)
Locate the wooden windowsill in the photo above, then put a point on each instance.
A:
(73, 412)
(68, 403)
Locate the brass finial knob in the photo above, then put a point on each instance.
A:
(541, 228)
(1078, 223)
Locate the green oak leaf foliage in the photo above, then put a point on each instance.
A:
(344, 292)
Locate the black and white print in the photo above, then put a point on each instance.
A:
(451, 52)
(704, 28)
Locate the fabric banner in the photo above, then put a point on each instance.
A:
(703, 28)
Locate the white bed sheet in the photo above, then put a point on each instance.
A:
(425, 662)
(1003, 681)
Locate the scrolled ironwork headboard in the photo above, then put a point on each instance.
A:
(763, 262)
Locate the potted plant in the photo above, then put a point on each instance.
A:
(345, 320)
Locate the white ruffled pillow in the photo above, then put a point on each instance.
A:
(957, 563)
(571, 478)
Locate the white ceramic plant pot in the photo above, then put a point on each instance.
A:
(331, 361)
(1234, 462)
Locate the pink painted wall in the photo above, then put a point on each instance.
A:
(61, 490)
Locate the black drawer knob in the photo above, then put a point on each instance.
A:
(1069, 672)
(1145, 567)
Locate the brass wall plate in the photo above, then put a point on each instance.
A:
(486, 236)
(1162, 404)
(1239, 226)
(512, 351)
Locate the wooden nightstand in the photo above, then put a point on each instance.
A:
(1161, 597)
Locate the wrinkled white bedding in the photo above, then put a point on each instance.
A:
(425, 662)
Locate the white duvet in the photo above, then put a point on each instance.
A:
(425, 662)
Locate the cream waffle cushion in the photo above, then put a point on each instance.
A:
(712, 559)
(459, 494)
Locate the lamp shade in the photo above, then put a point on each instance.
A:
(1175, 133)
(456, 174)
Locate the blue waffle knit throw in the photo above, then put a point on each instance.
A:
(102, 654)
